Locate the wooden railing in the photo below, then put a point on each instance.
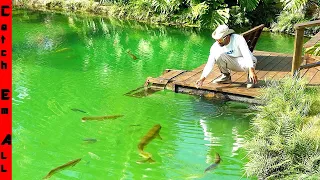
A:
(309, 59)
(298, 43)
(251, 36)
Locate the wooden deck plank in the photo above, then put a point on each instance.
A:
(312, 41)
(200, 68)
(185, 76)
(171, 74)
(260, 65)
(284, 62)
(310, 74)
(166, 77)
(269, 67)
(302, 72)
(213, 75)
(316, 79)
(285, 70)
(192, 80)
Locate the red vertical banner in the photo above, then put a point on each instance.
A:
(5, 89)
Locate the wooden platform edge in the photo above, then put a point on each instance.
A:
(171, 80)
(211, 94)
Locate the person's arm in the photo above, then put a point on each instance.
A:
(246, 53)
(252, 75)
(207, 69)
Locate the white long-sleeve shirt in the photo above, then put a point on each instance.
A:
(237, 47)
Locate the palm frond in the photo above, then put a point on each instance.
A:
(294, 5)
(248, 5)
(314, 50)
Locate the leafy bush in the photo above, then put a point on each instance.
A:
(296, 11)
(286, 141)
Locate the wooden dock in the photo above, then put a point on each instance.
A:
(270, 66)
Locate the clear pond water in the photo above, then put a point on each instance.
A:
(68, 67)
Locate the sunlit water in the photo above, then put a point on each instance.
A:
(65, 62)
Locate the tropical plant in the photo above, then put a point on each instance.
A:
(249, 5)
(265, 13)
(238, 18)
(286, 140)
(297, 11)
(294, 5)
(314, 50)
(199, 13)
(286, 20)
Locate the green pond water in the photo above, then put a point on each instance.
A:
(63, 62)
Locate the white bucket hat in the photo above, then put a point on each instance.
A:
(221, 31)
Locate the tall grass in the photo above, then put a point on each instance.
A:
(286, 133)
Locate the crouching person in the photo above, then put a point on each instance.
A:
(231, 53)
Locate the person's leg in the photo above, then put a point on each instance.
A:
(226, 64)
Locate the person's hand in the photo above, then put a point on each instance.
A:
(147, 82)
(252, 76)
(199, 82)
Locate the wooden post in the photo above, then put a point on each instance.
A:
(298, 42)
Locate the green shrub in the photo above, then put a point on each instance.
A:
(286, 132)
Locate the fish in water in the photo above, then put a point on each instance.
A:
(78, 110)
(132, 55)
(101, 118)
(215, 164)
(57, 169)
(153, 133)
(61, 50)
(150, 160)
(94, 156)
(90, 140)
(135, 125)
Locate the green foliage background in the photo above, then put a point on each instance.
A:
(280, 15)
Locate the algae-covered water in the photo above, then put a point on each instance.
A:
(67, 67)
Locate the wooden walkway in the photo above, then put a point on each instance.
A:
(270, 66)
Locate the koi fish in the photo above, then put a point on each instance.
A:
(57, 169)
(79, 110)
(90, 140)
(132, 55)
(101, 118)
(94, 156)
(61, 50)
(150, 160)
(153, 133)
(215, 164)
(135, 125)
